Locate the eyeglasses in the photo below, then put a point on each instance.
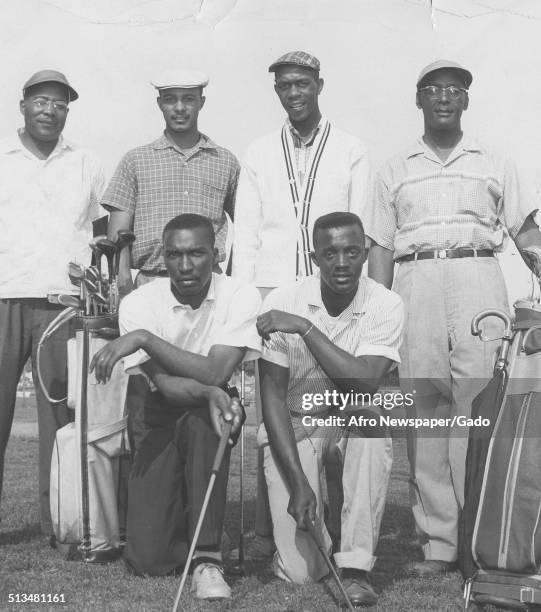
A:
(434, 92)
(58, 105)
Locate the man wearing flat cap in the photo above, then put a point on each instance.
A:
(49, 194)
(183, 171)
(289, 178)
(442, 211)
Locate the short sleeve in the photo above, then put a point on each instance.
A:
(121, 193)
(275, 350)
(239, 328)
(379, 219)
(385, 325)
(136, 312)
(519, 199)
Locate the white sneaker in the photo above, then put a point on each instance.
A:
(208, 582)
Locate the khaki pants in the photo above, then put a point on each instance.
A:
(446, 367)
(365, 476)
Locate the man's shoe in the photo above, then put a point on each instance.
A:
(432, 567)
(208, 582)
(358, 589)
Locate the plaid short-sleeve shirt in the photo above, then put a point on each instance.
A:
(422, 203)
(159, 181)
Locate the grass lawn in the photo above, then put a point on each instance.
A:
(28, 565)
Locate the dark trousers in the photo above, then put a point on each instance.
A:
(22, 323)
(174, 453)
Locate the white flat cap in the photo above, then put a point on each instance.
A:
(181, 79)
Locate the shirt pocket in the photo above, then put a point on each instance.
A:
(212, 200)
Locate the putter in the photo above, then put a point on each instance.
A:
(124, 239)
(321, 546)
(240, 569)
(215, 468)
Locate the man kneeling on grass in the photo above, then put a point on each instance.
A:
(183, 336)
(336, 331)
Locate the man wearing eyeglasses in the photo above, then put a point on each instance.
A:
(442, 211)
(49, 193)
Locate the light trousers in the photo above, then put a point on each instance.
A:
(445, 367)
(365, 477)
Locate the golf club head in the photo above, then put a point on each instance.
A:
(124, 237)
(70, 301)
(109, 249)
(75, 273)
(52, 298)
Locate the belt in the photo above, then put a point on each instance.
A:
(443, 254)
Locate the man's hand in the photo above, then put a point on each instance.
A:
(224, 409)
(105, 359)
(302, 505)
(278, 320)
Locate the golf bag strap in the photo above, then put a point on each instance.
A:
(103, 431)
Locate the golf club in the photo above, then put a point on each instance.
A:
(215, 468)
(96, 251)
(322, 549)
(70, 301)
(124, 239)
(109, 249)
(240, 569)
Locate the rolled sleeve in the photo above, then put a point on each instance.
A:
(240, 329)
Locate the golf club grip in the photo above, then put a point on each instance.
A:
(224, 439)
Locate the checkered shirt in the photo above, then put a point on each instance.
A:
(470, 200)
(159, 181)
(302, 148)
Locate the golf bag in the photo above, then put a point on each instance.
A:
(89, 454)
(500, 528)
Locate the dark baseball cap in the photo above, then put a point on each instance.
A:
(50, 76)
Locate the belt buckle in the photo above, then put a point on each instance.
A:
(442, 254)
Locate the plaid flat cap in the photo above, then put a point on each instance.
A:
(296, 58)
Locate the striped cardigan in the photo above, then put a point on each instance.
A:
(268, 226)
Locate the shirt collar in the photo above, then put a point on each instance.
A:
(13, 144)
(297, 137)
(314, 295)
(210, 297)
(204, 143)
(466, 144)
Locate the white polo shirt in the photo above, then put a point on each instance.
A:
(46, 211)
(371, 325)
(226, 316)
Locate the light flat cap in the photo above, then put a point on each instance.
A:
(441, 64)
(50, 76)
(181, 79)
(296, 58)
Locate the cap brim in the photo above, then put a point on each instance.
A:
(73, 95)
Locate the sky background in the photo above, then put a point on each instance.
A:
(371, 52)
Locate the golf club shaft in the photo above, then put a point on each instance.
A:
(215, 468)
(241, 470)
(319, 543)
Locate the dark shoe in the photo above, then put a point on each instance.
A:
(52, 541)
(358, 589)
(432, 567)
